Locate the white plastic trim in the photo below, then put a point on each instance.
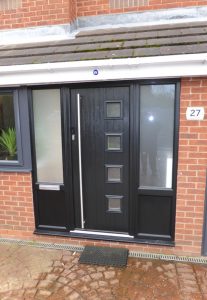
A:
(190, 65)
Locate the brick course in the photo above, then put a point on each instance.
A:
(97, 7)
(16, 205)
(38, 13)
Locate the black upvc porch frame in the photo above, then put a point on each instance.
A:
(135, 192)
(204, 241)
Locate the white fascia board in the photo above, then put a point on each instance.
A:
(190, 65)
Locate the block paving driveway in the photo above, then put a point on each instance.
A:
(34, 273)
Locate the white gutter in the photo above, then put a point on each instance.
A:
(189, 65)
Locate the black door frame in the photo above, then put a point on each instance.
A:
(204, 240)
(134, 158)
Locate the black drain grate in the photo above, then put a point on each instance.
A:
(104, 256)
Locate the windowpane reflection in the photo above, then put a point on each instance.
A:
(156, 135)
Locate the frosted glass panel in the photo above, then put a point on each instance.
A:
(156, 135)
(114, 142)
(48, 142)
(113, 109)
(114, 174)
(114, 203)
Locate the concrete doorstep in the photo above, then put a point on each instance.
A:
(35, 273)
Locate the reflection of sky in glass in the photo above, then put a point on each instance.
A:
(151, 118)
(156, 135)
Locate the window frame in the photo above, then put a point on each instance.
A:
(21, 117)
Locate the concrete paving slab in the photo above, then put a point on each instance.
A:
(32, 273)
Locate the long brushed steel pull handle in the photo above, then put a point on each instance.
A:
(80, 161)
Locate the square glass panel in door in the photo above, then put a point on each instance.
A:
(113, 109)
(113, 173)
(113, 142)
(156, 135)
(114, 203)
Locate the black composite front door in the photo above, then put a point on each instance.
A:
(105, 159)
(100, 150)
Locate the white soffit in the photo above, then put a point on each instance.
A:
(190, 65)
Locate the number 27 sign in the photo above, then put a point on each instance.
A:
(195, 113)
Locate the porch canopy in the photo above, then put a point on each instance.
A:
(114, 43)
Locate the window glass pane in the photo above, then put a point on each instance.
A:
(113, 109)
(114, 174)
(114, 203)
(48, 141)
(156, 135)
(113, 142)
(8, 146)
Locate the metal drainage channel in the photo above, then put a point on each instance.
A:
(133, 254)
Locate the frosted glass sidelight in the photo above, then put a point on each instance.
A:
(156, 135)
(48, 141)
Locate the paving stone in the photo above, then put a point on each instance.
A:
(45, 293)
(75, 283)
(35, 279)
(58, 270)
(72, 276)
(30, 293)
(84, 289)
(102, 283)
(96, 276)
(73, 296)
(52, 277)
(63, 280)
(67, 290)
(94, 285)
(114, 282)
(86, 278)
(45, 284)
(109, 274)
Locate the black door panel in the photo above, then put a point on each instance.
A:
(105, 156)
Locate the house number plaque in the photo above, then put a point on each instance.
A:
(195, 113)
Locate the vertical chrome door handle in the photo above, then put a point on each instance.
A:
(80, 160)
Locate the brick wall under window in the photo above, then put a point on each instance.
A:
(16, 204)
(96, 7)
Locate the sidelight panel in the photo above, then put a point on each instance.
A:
(156, 135)
(48, 141)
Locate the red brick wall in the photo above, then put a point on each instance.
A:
(97, 7)
(192, 167)
(16, 206)
(41, 12)
(37, 13)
